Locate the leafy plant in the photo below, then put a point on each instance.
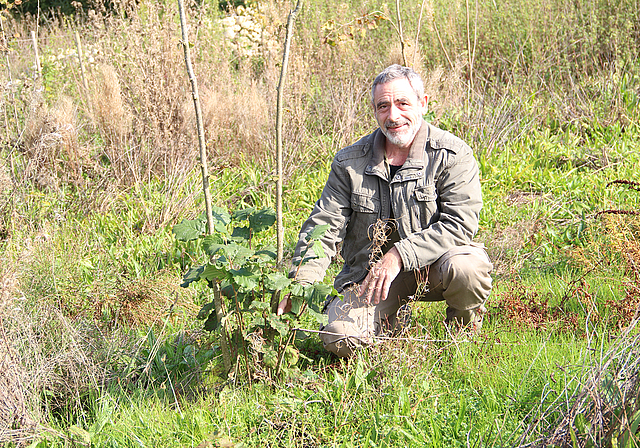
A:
(248, 276)
(170, 363)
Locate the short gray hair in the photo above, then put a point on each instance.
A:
(397, 71)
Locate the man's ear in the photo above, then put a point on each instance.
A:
(424, 104)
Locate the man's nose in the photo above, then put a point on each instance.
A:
(394, 112)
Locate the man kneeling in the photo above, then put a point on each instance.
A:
(423, 183)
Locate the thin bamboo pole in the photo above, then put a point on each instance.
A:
(279, 150)
(34, 41)
(226, 354)
(402, 43)
(11, 90)
(81, 60)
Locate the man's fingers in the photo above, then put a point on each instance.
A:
(377, 290)
(365, 291)
(363, 287)
(284, 306)
(382, 289)
(384, 292)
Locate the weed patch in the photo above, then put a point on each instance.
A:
(144, 302)
(523, 306)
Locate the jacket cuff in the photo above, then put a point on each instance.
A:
(408, 255)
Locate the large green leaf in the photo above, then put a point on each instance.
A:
(245, 279)
(211, 244)
(214, 271)
(227, 289)
(251, 322)
(267, 254)
(259, 306)
(206, 310)
(220, 216)
(189, 229)
(270, 357)
(317, 249)
(317, 232)
(320, 318)
(211, 324)
(245, 213)
(192, 275)
(241, 234)
(276, 281)
(300, 290)
(319, 293)
(296, 304)
(262, 219)
(277, 323)
(237, 253)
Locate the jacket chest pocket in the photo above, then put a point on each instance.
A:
(425, 205)
(366, 210)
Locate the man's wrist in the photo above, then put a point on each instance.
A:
(396, 254)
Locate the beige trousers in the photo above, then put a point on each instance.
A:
(461, 277)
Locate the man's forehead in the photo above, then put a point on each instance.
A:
(398, 87)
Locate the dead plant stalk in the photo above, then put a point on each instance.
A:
(279, 150)
(226, 354)
(401, 34)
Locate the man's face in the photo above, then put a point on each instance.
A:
(398, 111)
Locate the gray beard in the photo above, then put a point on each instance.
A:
(404, 139)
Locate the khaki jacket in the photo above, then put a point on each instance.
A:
(435, 198)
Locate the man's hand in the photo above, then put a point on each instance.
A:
(376, 285)
(284, 306)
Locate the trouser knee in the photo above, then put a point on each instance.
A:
(349, 327)
(466, 280)
(339, 339)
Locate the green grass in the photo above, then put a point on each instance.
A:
(430, 390)
(424, 394)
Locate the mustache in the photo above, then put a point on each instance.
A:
(398, 123)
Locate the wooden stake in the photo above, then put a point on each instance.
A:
(217, 298)
(402, 43)
(279, 150)
(34, 40)
(81, 60)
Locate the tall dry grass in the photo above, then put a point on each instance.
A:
(46, 366)
(600, 405)
(497, 69)
(51, 144)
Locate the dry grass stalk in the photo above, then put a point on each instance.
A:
(42, 353)
(236, 115)
(141, 303)
(605, 397)
(51, 143)
(625, 236)
(15, 420)
(6, 184)
(446, 89)
(602, 406)
(111, 114)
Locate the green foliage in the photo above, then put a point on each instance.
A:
(335, 33)
(248, 277)
(172, 363)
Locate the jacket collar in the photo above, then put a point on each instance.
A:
(415, 159)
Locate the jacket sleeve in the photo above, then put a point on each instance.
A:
(459, 204)
(333, 208)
